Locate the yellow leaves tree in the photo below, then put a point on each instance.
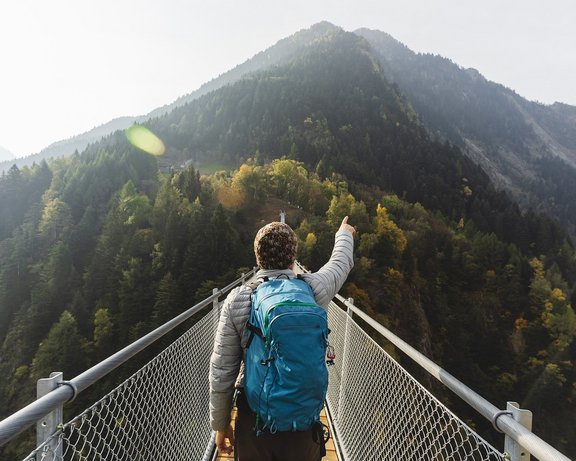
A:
(559, 318)
(549, 359)
(230, 197)
(384, 225)
(306, 248)
(290, 179)
(387, 230)
(553, 307)
(251, 179)
(346, 205)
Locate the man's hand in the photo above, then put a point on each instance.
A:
(346, 226)
(221, 437)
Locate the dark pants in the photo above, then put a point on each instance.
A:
(281, 446)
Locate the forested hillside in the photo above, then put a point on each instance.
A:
(527, 148)
(280, 52)
(99, 248)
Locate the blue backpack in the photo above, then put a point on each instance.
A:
(286, 375)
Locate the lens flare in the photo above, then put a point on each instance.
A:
(142, 138)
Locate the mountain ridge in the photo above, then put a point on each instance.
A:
(516, 141)
(5, 154)
(270, 56)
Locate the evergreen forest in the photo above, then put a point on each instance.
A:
(100, 247)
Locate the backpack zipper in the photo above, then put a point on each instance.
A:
(287, 303)
(269, 295)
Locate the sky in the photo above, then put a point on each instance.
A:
(67, 66)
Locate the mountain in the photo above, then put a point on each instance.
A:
(369, 132)
(527, 148)
(5, 154)
(100, 247)
(332, 107)
(281, 51)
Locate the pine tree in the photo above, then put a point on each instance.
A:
(62, 350)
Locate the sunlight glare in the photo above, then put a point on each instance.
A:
(142, 138)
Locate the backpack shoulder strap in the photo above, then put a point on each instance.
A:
(254, 330)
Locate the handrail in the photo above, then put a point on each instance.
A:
(30, 414)
(501, 421)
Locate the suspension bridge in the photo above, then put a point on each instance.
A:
(375, 408)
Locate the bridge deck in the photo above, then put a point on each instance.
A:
(330, 450)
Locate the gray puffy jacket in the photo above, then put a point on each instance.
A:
(226, 371)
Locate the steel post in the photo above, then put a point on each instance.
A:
(49, 424)
(515, 451)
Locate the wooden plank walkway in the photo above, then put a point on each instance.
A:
(330, 450)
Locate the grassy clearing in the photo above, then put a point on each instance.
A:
(211, 168)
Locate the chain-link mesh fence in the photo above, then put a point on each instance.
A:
(380, 412)
(159, 413)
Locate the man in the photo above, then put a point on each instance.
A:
(275, 248)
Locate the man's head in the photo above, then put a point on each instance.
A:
(275, 246)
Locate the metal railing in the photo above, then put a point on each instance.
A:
(377, 409)
(380, 411)
(171, 386)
